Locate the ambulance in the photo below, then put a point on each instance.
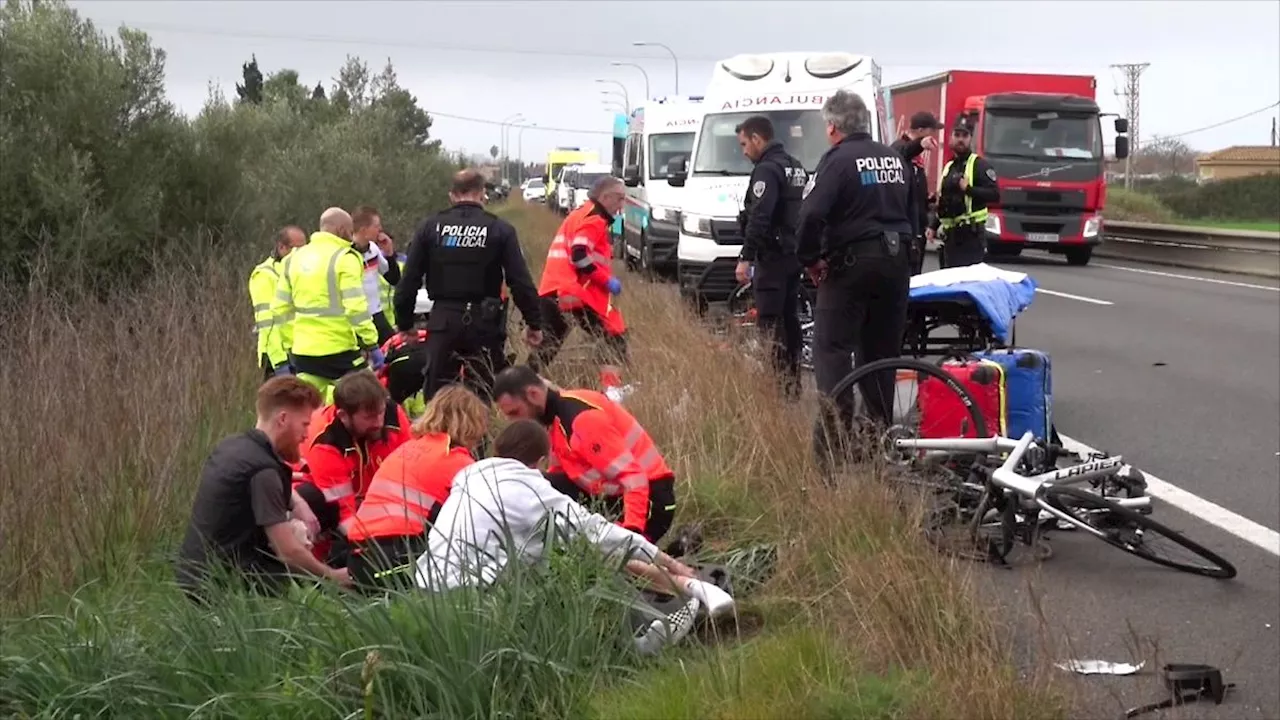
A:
(789, 89)
(657, 133)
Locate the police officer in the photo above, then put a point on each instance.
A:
(855, 223)
(463, 255)
(914, 142)
(771, 211)
(967, 187)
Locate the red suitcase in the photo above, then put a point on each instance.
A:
(942, 415)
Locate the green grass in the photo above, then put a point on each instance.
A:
(1258, 226)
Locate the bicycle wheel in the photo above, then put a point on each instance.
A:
(1133, 532)
(909, 375)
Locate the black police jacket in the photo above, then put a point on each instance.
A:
(984, 190)
(910, 150)
(860, 190)
(771, 206)
(464, 254)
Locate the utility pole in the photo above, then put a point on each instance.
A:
(1132, 71)
(1273, 132)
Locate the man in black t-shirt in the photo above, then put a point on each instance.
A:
(240, 520)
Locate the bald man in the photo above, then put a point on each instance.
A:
(464, 255)
(321, 307)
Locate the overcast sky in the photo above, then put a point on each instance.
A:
(1210, 61)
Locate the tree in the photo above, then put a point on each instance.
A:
(251, 90)
(1164, 157)
(386, 93)
(493, 152)
(351, 88)
(318, 93)
(283, 86)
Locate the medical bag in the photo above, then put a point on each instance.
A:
(943, 415)
(1029, 391)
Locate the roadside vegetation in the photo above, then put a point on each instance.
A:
(1249, 203)
(124, 324)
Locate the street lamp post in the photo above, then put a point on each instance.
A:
(520, 150)
(626, 105)
(626, 97)
(647, 94)
(674, 59)
(503, 153)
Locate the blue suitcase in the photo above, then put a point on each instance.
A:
(1028, 391)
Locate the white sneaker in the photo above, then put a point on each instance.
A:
(618, 393)
(717, 601)
(667, 630)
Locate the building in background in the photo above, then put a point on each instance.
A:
(1238, 161)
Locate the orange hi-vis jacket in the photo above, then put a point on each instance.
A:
(409, 488)
(340, 467)
(579, 266)
(604, 451)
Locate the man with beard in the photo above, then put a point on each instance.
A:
(240, 520)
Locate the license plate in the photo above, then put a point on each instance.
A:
(1042, 237)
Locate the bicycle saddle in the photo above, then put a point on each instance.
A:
(1187, 682)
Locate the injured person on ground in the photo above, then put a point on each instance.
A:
(504, 506)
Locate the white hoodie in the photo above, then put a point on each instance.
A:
(500, 504)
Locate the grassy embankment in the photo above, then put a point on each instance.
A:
(1245, 203)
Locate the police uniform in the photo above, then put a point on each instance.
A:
(962, 215)
(856, 218)
(770, 214)
(463, 255)
(911, 151)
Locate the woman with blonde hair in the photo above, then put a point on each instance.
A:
(408, 489)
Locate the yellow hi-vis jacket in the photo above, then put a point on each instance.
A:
(320, 299)
(389, 292)
(969, 216)
(262, 292)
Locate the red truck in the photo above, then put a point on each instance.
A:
(1043, 136)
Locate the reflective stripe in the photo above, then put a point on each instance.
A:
(337, 492)
(612, 479)
(262, 307)
(346, 525)
(969, 216)
(391, 488)
(377, 511)
(263, 324)
(334, 307)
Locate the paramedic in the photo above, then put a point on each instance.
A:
(578, 279)
(854, 224)
(912, 145)
(501, 508)
(967, 187)
(320, 299)
(380, 267)
(463, 255)
(272, 358)
(768, 219)
(349, 441)
(240, 519)
(407, 491)
(597, 450)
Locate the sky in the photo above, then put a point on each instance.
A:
(483, 62)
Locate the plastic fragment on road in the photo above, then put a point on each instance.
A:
(1099, 667)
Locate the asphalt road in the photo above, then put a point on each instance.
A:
(1179, 371)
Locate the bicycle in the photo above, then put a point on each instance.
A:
(742, 310)
(1122, 522)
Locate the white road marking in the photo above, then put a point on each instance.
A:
(1069, 296)
(1212, 513)
(1179, 276)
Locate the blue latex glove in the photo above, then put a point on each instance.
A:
(285, 369)
(614, 285)
(377, 359)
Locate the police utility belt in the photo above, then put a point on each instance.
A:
(489, 311)
(888, 245)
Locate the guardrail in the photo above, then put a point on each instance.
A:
(1246, 252)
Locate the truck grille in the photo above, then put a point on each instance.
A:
(1042, 202)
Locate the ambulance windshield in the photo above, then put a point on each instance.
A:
(803, 133)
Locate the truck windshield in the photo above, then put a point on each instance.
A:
(586, 180)
(666, 147)
(1021, 134)
(802, 132)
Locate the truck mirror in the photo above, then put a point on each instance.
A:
(631, 175)
(677, 171)
(1122, 125)
(1122, 147)
(545, 179)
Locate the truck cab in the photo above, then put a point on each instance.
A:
(788, 88)
(1047, 150)
(557, 160)
(657, 134)
(578, 184)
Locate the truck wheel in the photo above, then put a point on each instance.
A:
(1079, 256)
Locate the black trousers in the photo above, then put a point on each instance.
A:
(861, 311)
(965, 245)
(662, 503)
(610, 349)
(776, 289)
(386, 563)
(918, 245)
(460, 340)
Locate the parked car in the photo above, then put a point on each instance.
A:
(534, 190)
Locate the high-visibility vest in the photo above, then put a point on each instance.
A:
(262, 290)
(573, 287)
(970, 216)
(320, 299)
(621, 460)
(388, 292)
(409, 488)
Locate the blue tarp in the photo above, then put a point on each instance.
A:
(998, 294)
